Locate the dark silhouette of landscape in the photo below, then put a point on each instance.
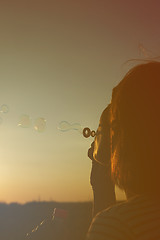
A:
(16, 220)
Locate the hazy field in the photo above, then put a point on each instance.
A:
(17, 220)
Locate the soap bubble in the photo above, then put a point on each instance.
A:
(86, 132)
(40, 124)
(25, 121)
(76, 126)
(66, 126)
(4, 108)
(93, 133)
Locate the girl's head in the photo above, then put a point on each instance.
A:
(135, 130)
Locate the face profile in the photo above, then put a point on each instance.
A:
(101, 144)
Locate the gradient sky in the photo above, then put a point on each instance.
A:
(60, 60)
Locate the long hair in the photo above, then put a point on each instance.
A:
(135, 130)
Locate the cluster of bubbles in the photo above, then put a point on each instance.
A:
(66, 126)
(87, 132)
(39, 123)
(25, 120)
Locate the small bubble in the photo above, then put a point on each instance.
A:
(93, 133)
(25, 121)
(77, 126)
(86, 132)
(66, 126)
(40, 124)
(4, 108)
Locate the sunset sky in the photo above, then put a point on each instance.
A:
(59, 61)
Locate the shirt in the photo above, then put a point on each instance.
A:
(137, 218)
